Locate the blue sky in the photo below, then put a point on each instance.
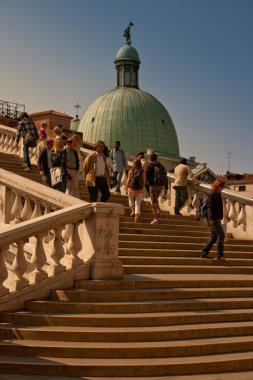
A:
(196, 59)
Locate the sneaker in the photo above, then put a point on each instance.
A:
(220, 258)
(155, 221)
(27, 169)
(158, 212)
(132, 213)
(206, 257)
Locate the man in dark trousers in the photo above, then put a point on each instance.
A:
(214, 217)
(27, 130)
(44, 163)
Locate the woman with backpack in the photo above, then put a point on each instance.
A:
(135, 188)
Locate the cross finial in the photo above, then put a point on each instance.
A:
(77, 106)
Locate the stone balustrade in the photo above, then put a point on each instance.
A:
(237, 208)
(47, 236)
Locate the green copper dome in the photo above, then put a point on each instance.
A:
(74, 124)
(135, 118)
(127, 52)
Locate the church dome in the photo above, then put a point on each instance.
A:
(74, 124)
(135, 118)
(132, 116)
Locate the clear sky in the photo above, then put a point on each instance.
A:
(196, 59)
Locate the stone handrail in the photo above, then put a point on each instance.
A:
(48, 238)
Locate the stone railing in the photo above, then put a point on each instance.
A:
(8, 145)
(49, 239)
(237, 208)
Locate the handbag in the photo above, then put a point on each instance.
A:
(56, 175)
(113, 182)
(31, 139)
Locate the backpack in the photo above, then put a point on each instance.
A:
(203, 209)
(160, 175)
(136, 181)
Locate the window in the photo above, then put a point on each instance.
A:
(242, 188)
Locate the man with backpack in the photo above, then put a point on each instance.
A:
(214, 217)
(135, 189)
(27, 130)
(157, 178)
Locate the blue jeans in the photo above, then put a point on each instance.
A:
(118, 177)
(217, 235)
(102, 186)
(26, 158)
(181, 196)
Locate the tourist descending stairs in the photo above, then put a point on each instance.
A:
(173, 314)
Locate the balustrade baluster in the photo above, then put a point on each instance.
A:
(1, 140)
(37, 209)
(74, 246)
(3, 274)
(56, 253)
(66, 233)
(27, 209)
(5, 144)
(19, 267)
(9, 144)
(225, 210)
(242, 217)
(39, 259)
(196, 203)
(16, 208)
(232, 213)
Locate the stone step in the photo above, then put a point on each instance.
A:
(229, 244)
(180, 269)
(178, 245)
(181, 253)
(126, 350)
(143, 260)
(128, 319)
(162, 232)
(182, 220)
(245, 375)
(127, 367)
(126, 334)
(188, 226)
(167, 281)
(83, 295)
(50, 306)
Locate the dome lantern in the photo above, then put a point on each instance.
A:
(127, 63)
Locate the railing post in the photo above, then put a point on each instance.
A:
(101, 241)
(3, 274)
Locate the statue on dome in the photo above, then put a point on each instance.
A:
(127, 33)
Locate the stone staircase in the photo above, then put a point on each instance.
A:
(172, 315)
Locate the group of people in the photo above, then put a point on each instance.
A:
(60, 162)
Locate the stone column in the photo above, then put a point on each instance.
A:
(101, 241)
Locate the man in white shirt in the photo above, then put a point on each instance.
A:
(119, 163)
(182, 173)
(96, 174)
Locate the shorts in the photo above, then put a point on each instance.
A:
(155, 192)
